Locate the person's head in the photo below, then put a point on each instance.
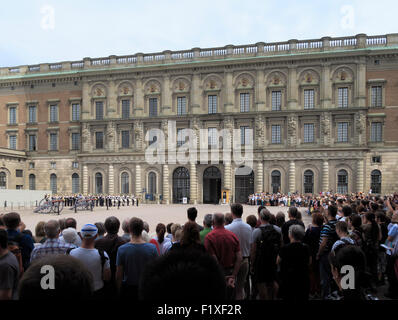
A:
(168, 227)
(89, 233)
(70, 223)
(299, 217)
(280, 219)
(12, 220)
(70, 235)
(296, 233)
(380, 217)
(251, 220)
(208, 220)
(218, 220)
(112, 225)
(101, 228)
(146, 226)
(51, 229)
(125, 225)
(259, 209)
(190, 234)
(317, 219)
(174, 229)
(160, 232)
(342, 229)
(273, 220)
(192, 213)
(178, 272)
(3, 240)
(374, 206)
(73, 281)
(135, 227)
(39, 229)
(228, 218)
(292, 212)
(355, 221)
(265, 216)
(370, 218)
(347, 211)
(61, 224)
(332, 212)
(236, 210)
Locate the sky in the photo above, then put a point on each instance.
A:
(40, 31)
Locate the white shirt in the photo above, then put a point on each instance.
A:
(244, 234)
(164, 246)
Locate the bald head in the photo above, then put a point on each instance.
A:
(218, 219)
(52, 229)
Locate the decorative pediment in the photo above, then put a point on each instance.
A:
(181, 85)
(152, 87)
(276, 79)
(244, 81)
(309, 77)
(212, 83)
(343, 74)
(125, 89)
(98, 91)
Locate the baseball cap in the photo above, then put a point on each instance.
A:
(89, 230)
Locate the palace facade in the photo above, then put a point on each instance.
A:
(324, 114)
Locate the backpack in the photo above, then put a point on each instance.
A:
(15, 248)
(267, 248)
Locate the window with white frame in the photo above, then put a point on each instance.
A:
(53, 165)
(180, 137)
(276, 134)
(32, 142)
(53, 141)
(212, 136)
(212, 103)
(75, 141)
(53, 113)
(13, 115)
(276, 100)
(309, 95)
(32, 114)
(342, 132)
(75, 165)
(377, 96)
(125, 109)
(181, 105)
(245, 135)
(343, 97)
(126, 139)
(309, 129)
(244, 102)
(75, 112)
(376, 132)
(13, 142)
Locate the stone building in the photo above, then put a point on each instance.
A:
(324, 114)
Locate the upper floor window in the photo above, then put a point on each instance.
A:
(343, 97)
(276, 100)
(245, 135)
(32, 114)
(19, 173)
(180, 137)
(244, 102)
(377, 96)
(99, 140)
(153, 107)
(181, 105)
(308, 132)
(125, 139)
(276, 134)
(75, 112)
(53, 165)
(13, 142)
(32, 142)
(13, 115)
(212, 136)
(376, 134)
(309, 98)
(152, 137)
(75, 141)
(53, 113)
(342, 132)
(53, 141)
(75, 165)
(212, 104)
(99, 110)
(125, 109)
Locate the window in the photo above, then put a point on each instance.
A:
(342, 182)
(276, 100)
(376, 132)
(308, 132)
(53, 183)
(53, 141)
(13, 142)
(75, 165)
(125, 109)
(153, 107)
(53, 165)
(3, 180)
(32, 182)
(99, 110)
(244, 102)
(53, 113)
(180, 137)
(125, 183)
(19, 173)
(125, 139)
(98, 183)
(75, 112)
(309, 99)
(276, 134)
(32, 114)
(343, 97)
(377, 97)
(31, 165)
(342, 132)
(13, 115)
(212, 136)
(152, 183)
(181, 105)
(376, 159)
(375, 181)
(245, 135)
(99, 140)
(32, 142)
(212, 104)
(75, 183)
(152, 136)
(308, 181)
(276, 181)
(75, 141)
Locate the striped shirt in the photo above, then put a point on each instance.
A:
(51, 246)
(328, 231)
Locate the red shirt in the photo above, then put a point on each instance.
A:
(224, 245)
(153, 241)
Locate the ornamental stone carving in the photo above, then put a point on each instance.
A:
(292, 130)
(259, 125)
(360, 127)
(86, 134)
(139, 134)
(325, 128)
(111, 135)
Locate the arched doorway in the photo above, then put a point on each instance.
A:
(53, 183)
(75, 183)
(211, 185)
(98, 183)
(244, 184)
(125, 183)
(308, 181)
(342, 182)
(276, 181)
(180, 184)
(375, 181)
(151, 185)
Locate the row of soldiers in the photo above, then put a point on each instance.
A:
(98, 200)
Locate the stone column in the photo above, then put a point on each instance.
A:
(292, 88)
(292, 176)
(166, 99)
(111, 180)
(86, 102)
(229, 95)
(325, 175)
(325, 87)
(85, 179)
(227, 177)
(359, 175)
(193, 184)
(260, 91)
(138, 187)
(139, 103)
(360, 84)
(195, 94)
(259, 177)
(166, 194)
(111, 106)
